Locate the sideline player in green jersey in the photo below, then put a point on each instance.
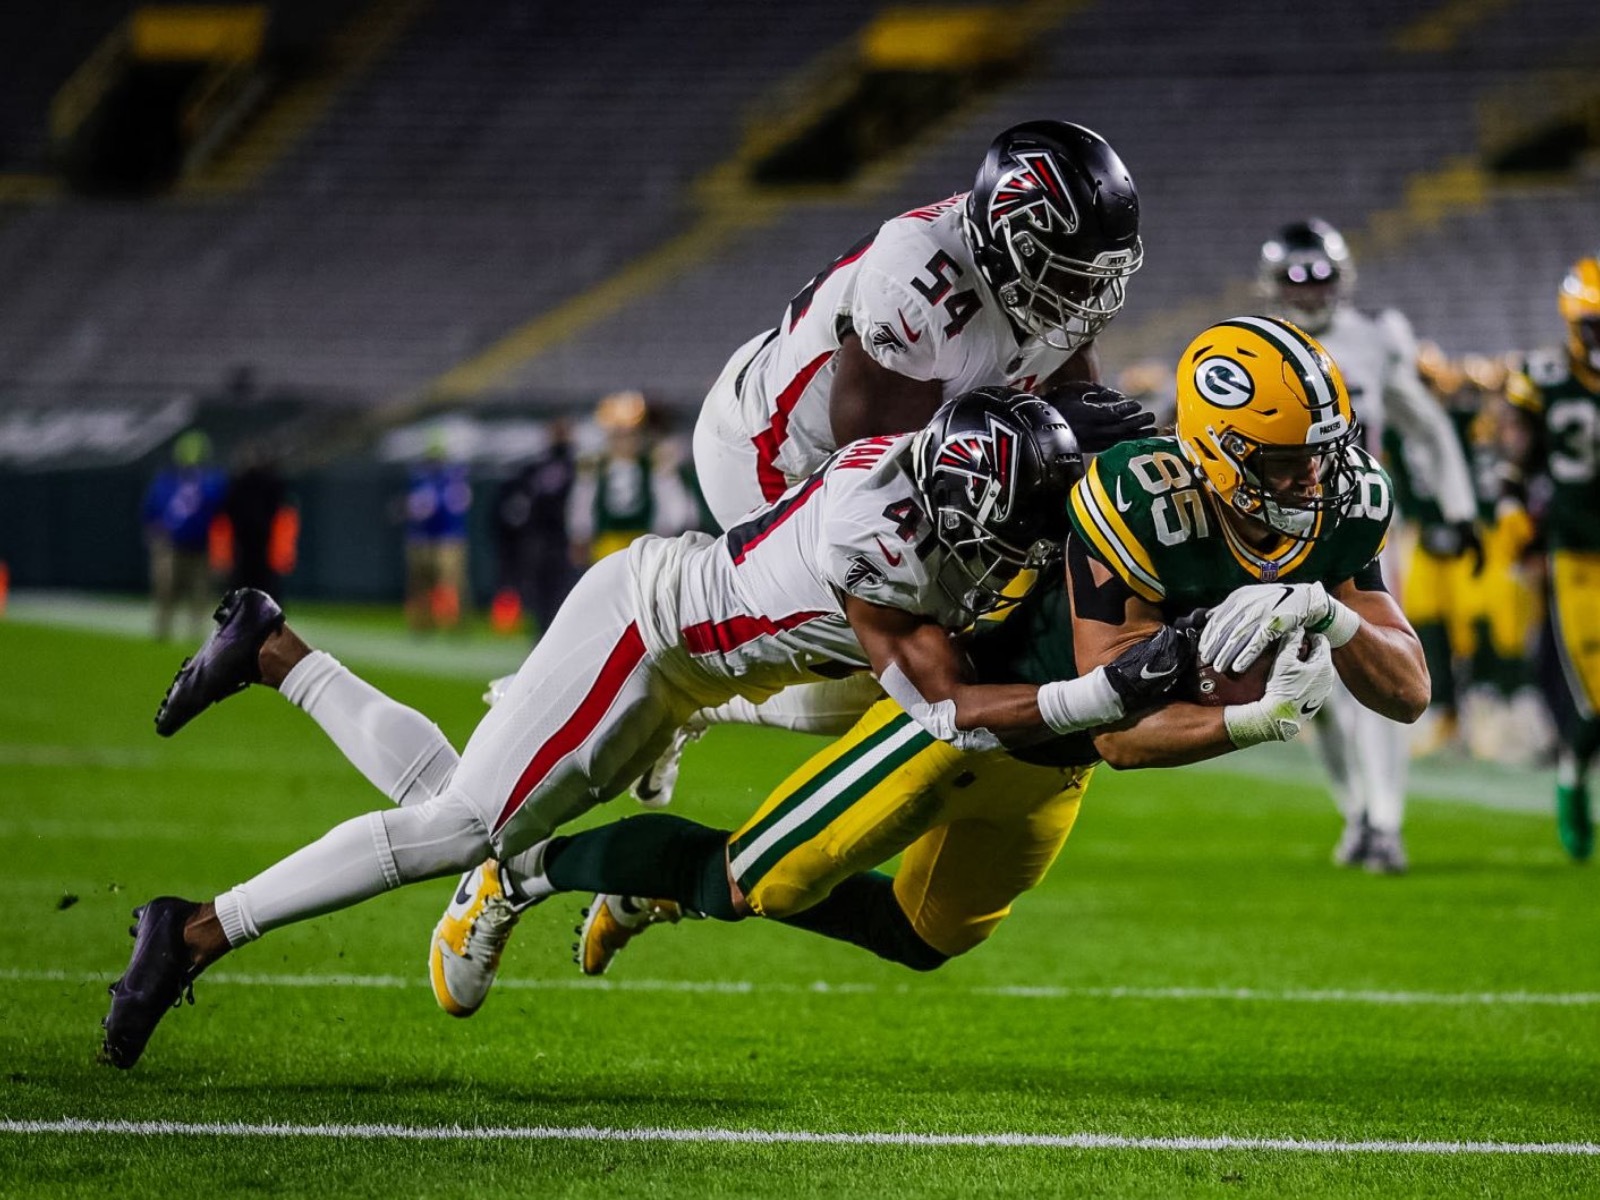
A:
(1263, 487)
(1559, 395)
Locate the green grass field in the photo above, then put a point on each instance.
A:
(1193, 969)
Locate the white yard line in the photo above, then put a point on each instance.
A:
(742, 987)
(767, 1137)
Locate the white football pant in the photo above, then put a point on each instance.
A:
(588, 711)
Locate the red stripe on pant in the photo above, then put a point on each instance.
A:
(627, 654)
(770, 440)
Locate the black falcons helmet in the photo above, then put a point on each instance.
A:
(994, 467)
(1305, 271)
(1054, 224)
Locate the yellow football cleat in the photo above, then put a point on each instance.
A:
(611, 922)
(469, 939)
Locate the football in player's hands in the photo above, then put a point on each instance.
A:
(1218, 689)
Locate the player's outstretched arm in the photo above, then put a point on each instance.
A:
(927, 674)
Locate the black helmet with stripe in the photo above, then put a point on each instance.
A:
(993, 469)
(1265, 418)
(1053, 222)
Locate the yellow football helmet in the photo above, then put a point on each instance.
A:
(1580, 309)
(1265, 418)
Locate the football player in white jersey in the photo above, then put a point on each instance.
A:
(1308, 276)
(1006, 284)
(870, 563)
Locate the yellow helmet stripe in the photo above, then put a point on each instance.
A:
(1302, 354)
(1112, 537)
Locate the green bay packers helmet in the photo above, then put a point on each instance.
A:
(1580, 309)
(1264, 417)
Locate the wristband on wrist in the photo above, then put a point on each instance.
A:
(1257, 722)
(1340, 625)
(1068, 705)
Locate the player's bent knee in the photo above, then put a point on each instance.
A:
(442, 836)
(800, 881)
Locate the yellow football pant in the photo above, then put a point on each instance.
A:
(977, 830)
(1575, 593)
(1444, 591)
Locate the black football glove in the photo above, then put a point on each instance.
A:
(1142, 675)
(1100, 416)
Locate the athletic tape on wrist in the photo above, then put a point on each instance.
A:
(1340, 625)
(1254, 723)
(1068, 705)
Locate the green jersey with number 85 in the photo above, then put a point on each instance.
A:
(1146, 515)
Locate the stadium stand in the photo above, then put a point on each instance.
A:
(505, 157)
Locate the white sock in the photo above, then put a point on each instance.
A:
(1386, 765)
(355, 861)
(402, 753)
(1335, 744)
(523, 876)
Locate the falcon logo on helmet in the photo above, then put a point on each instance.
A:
(989, 461)
(993, 470)
(1034, 187)
(1264, 418)
(1053, 224)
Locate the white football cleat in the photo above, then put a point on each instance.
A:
(653, 789)
(1386, 853)
(611, 922)
(1352, 848)
(469, 939)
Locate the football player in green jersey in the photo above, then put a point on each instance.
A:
(1262, 506)
(1559, 395)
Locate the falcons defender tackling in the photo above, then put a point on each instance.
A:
(1006, 284)
(870, 562)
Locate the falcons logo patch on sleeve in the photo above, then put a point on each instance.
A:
(863, 572)
(886, 337)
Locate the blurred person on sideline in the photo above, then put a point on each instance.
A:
(179, 507)
(623, 492)
(530, 527)
(263, 524)
(438, 499)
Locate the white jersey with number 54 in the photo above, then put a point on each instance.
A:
(913, 296)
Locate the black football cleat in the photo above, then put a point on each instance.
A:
(226, 663)
(158, 977)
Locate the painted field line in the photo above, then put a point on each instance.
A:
(745, 987)
(597, 1133)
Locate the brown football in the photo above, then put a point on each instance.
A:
(1218, 689)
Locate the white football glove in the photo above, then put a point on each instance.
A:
(1240, 628)
(1296, 692)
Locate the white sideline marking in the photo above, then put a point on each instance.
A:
(767, 1137)
(745, 987)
